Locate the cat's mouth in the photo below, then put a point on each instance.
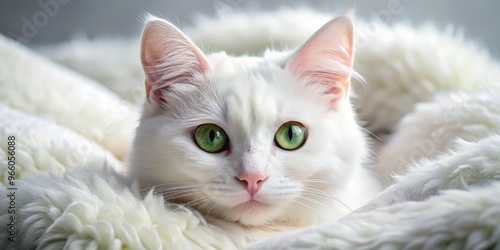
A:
(252, 205)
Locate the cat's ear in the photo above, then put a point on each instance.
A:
(327, 57)
(168, 57)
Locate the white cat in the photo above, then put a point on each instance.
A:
(259, 143)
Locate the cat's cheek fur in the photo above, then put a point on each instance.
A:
(334, 150)
(156, 152)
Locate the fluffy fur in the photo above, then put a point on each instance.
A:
(96, 208)
(64, 97)
(431, 128)
(404, 66)
(119, 71)
(250, 97)
(42, 146)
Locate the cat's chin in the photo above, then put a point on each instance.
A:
(251, 205)
(252, 213)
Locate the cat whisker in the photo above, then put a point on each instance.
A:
(317, 181)
(374, 136)
(145, 190)
(307, 193)
(171, 190)
(305, 205)
(215, 204)
(177, 187)
(177, 183)
(343, 204)
(174, 187)
(312, 200)
(165, 190)
(196, 201)
(169, 193)
(191, 203)
(175, 195)
(179, 206)
(321, 194)
(317, 192)
(354, 193)
(379, 177)
(206, 202)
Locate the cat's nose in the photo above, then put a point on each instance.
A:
(252, 181)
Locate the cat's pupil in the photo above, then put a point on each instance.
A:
(290, 133)
(211, 135)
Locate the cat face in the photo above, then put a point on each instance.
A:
(253, 140)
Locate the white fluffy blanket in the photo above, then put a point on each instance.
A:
(69, 133)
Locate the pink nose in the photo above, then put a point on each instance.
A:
(252, 181)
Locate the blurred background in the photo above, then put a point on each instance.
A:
(42, 22)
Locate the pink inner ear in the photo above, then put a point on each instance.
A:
(326, 58)
(168, 57)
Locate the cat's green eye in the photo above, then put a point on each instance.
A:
(211, 138)
(290, 136)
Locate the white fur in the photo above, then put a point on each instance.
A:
(250, 97)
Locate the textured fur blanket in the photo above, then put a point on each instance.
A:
(65, 135)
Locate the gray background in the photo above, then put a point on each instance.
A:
(31, 23)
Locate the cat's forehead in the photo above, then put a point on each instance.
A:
(247, 77)
(258, 91)
(247, 88)
(225, 66)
